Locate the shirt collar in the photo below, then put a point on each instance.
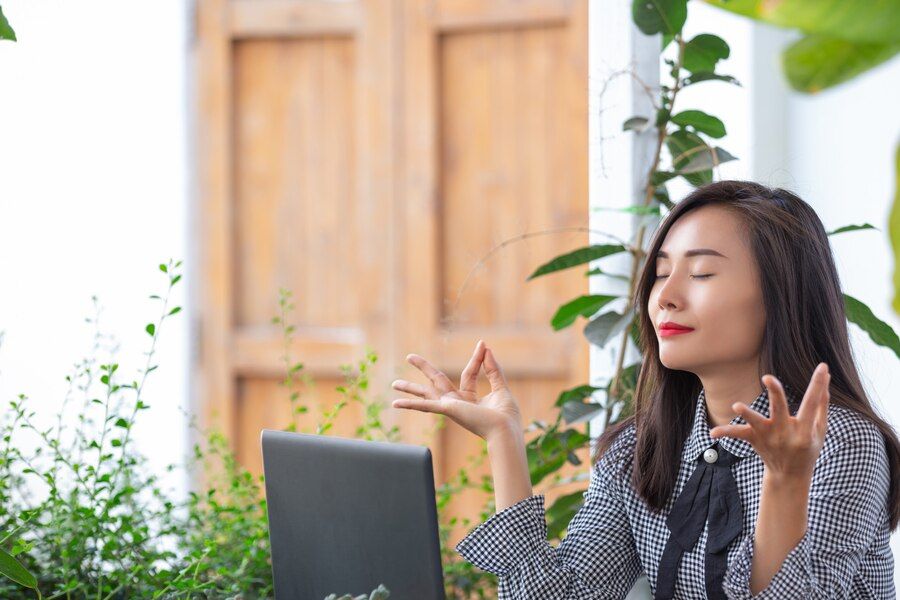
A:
(699, 439)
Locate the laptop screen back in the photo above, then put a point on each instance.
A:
(347, 515)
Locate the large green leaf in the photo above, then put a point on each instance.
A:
(14, 570)
(880, 332)
(894, 231)
(659, 16)
(867, 21)
(843, 39)
(817, 62)
(6, 30)
(577, 257)
(585, 306)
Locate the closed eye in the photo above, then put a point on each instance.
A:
(694, 276)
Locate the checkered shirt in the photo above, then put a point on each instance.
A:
(614, 536)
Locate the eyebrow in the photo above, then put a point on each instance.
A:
(694, 252)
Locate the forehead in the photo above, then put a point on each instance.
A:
(709, 227)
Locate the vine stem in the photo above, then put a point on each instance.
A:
(637, 250)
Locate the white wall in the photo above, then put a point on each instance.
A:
(93, 197)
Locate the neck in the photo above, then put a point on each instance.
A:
(723, 389)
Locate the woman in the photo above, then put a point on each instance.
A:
(754, 465)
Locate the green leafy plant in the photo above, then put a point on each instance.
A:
(6, 30)
(380, 593)
(105, 528)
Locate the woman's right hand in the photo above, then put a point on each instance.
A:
(493, 414)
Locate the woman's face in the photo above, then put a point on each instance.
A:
(720, 297)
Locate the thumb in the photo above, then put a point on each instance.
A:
(493, 371)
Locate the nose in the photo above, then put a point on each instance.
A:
(668, 293)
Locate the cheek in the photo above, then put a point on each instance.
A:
(736, 320)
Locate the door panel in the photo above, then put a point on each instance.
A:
(401, 166)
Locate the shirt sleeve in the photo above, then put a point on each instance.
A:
(847, 511)
(597, 559)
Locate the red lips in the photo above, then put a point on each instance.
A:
(667, 328)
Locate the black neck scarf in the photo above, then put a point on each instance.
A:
(711, 495)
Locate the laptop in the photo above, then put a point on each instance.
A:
(346, 515)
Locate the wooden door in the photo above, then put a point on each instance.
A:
(370, 156)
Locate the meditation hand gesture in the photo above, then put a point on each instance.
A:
(492, 414)
(788, 446)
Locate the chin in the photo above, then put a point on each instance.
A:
(674, 365)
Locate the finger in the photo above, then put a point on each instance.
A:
(778, 407)
(467, 380)
(809, 406)
(441, 382)
(430, 406)
(741, 432)
(820, 420)
(823, 411)
(493, 371)
(752, 417)
(414, 388)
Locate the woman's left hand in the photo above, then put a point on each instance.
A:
(788, 446)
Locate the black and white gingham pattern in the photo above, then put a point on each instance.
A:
(614, 536)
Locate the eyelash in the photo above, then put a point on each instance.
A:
(694, 276)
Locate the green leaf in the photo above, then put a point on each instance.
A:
(599, 271)
(660, 177)
(122, 423)
(817, 62)
(707, 159)
(548, 453)
(150, 328)
(700, 121)
(576, 394)
(684, 145)
(6, 30)
(163, 268)
(703, 52)
(586, 306)
(579, 412)
(880, 332)
(894, 231)
(663, 116)
(637, 210)
(13, 569)
(865, 22)
(605, 327)
(175, 311)
(852, 228)
(701, 76)
(659, 16)
(638, 124)
(577, 257)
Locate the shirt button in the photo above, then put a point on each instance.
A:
(710, 455)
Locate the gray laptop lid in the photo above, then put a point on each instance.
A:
(347, 515)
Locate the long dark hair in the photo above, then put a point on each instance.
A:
(804, 317)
